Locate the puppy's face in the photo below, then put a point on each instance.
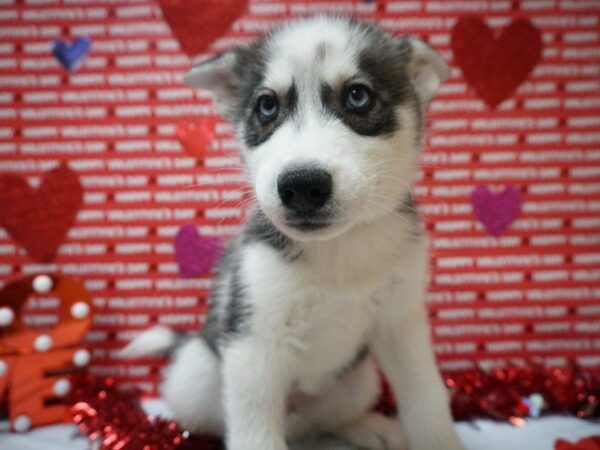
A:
(329, 112)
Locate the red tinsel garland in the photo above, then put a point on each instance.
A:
(501, 394)
(591, 443)
(116, 419)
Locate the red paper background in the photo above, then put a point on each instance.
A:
(534, 292)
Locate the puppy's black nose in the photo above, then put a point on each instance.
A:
(304, 189)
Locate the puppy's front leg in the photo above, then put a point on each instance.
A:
(256, 381)
(402, 346)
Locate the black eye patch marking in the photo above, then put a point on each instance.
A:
(256, 129)
(379, 120)
(248, 74)
(382, 68)
(292, 99)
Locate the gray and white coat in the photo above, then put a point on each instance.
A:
(328, 277)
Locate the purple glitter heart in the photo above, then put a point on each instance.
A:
(496, 211)
(195, 254)
(71, 56)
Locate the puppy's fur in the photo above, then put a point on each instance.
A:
(305, 302)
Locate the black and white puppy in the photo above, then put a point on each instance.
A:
(330, 273)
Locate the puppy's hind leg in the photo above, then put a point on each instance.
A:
(344, 411)
(193, 388)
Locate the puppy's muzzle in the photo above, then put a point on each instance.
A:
(304, 190)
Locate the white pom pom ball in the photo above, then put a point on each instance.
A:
(43, 343)
(21, 424)
(7, 316)
(81, 358)
(80, 310)
(42, 284)
(62, 387)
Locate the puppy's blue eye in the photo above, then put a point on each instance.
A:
(358, 98)
(267, 108)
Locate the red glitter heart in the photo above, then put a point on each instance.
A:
(38, 219)
(196, 136)
(197, 23)
(495, 66)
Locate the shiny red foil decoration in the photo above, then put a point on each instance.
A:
(117, 421)
(499, 394)
(591, 443)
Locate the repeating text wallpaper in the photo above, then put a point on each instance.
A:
(509, 187)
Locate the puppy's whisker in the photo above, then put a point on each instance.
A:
(408, 186)
(382, 175)
(388, 209)
(405, 206)
(241, 206)
(385, 161)
(221, 169)
(203, 185)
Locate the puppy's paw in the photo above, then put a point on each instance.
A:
(373, 432)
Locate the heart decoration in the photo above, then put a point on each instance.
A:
(195, 254)
(496, 211)
(196, 136)
(495, 66)
(38, 219)
(591, 443)
(197, 23)
(71, 56)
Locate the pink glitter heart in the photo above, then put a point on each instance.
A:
(195, 254)
(496, 211)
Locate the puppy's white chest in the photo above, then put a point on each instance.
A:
(331, 330)
(320, 316)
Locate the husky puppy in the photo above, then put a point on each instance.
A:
(329, 274)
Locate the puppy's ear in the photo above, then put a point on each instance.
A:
(216, 75)
(426, 68)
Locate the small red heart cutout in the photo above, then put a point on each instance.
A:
(495, 67)
(196, 136)
(197, 23)
(38, 219)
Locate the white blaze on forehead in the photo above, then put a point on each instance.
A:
(311, 50)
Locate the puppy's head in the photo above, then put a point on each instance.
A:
(329, 114)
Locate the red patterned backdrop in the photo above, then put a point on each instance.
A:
(510, 185)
